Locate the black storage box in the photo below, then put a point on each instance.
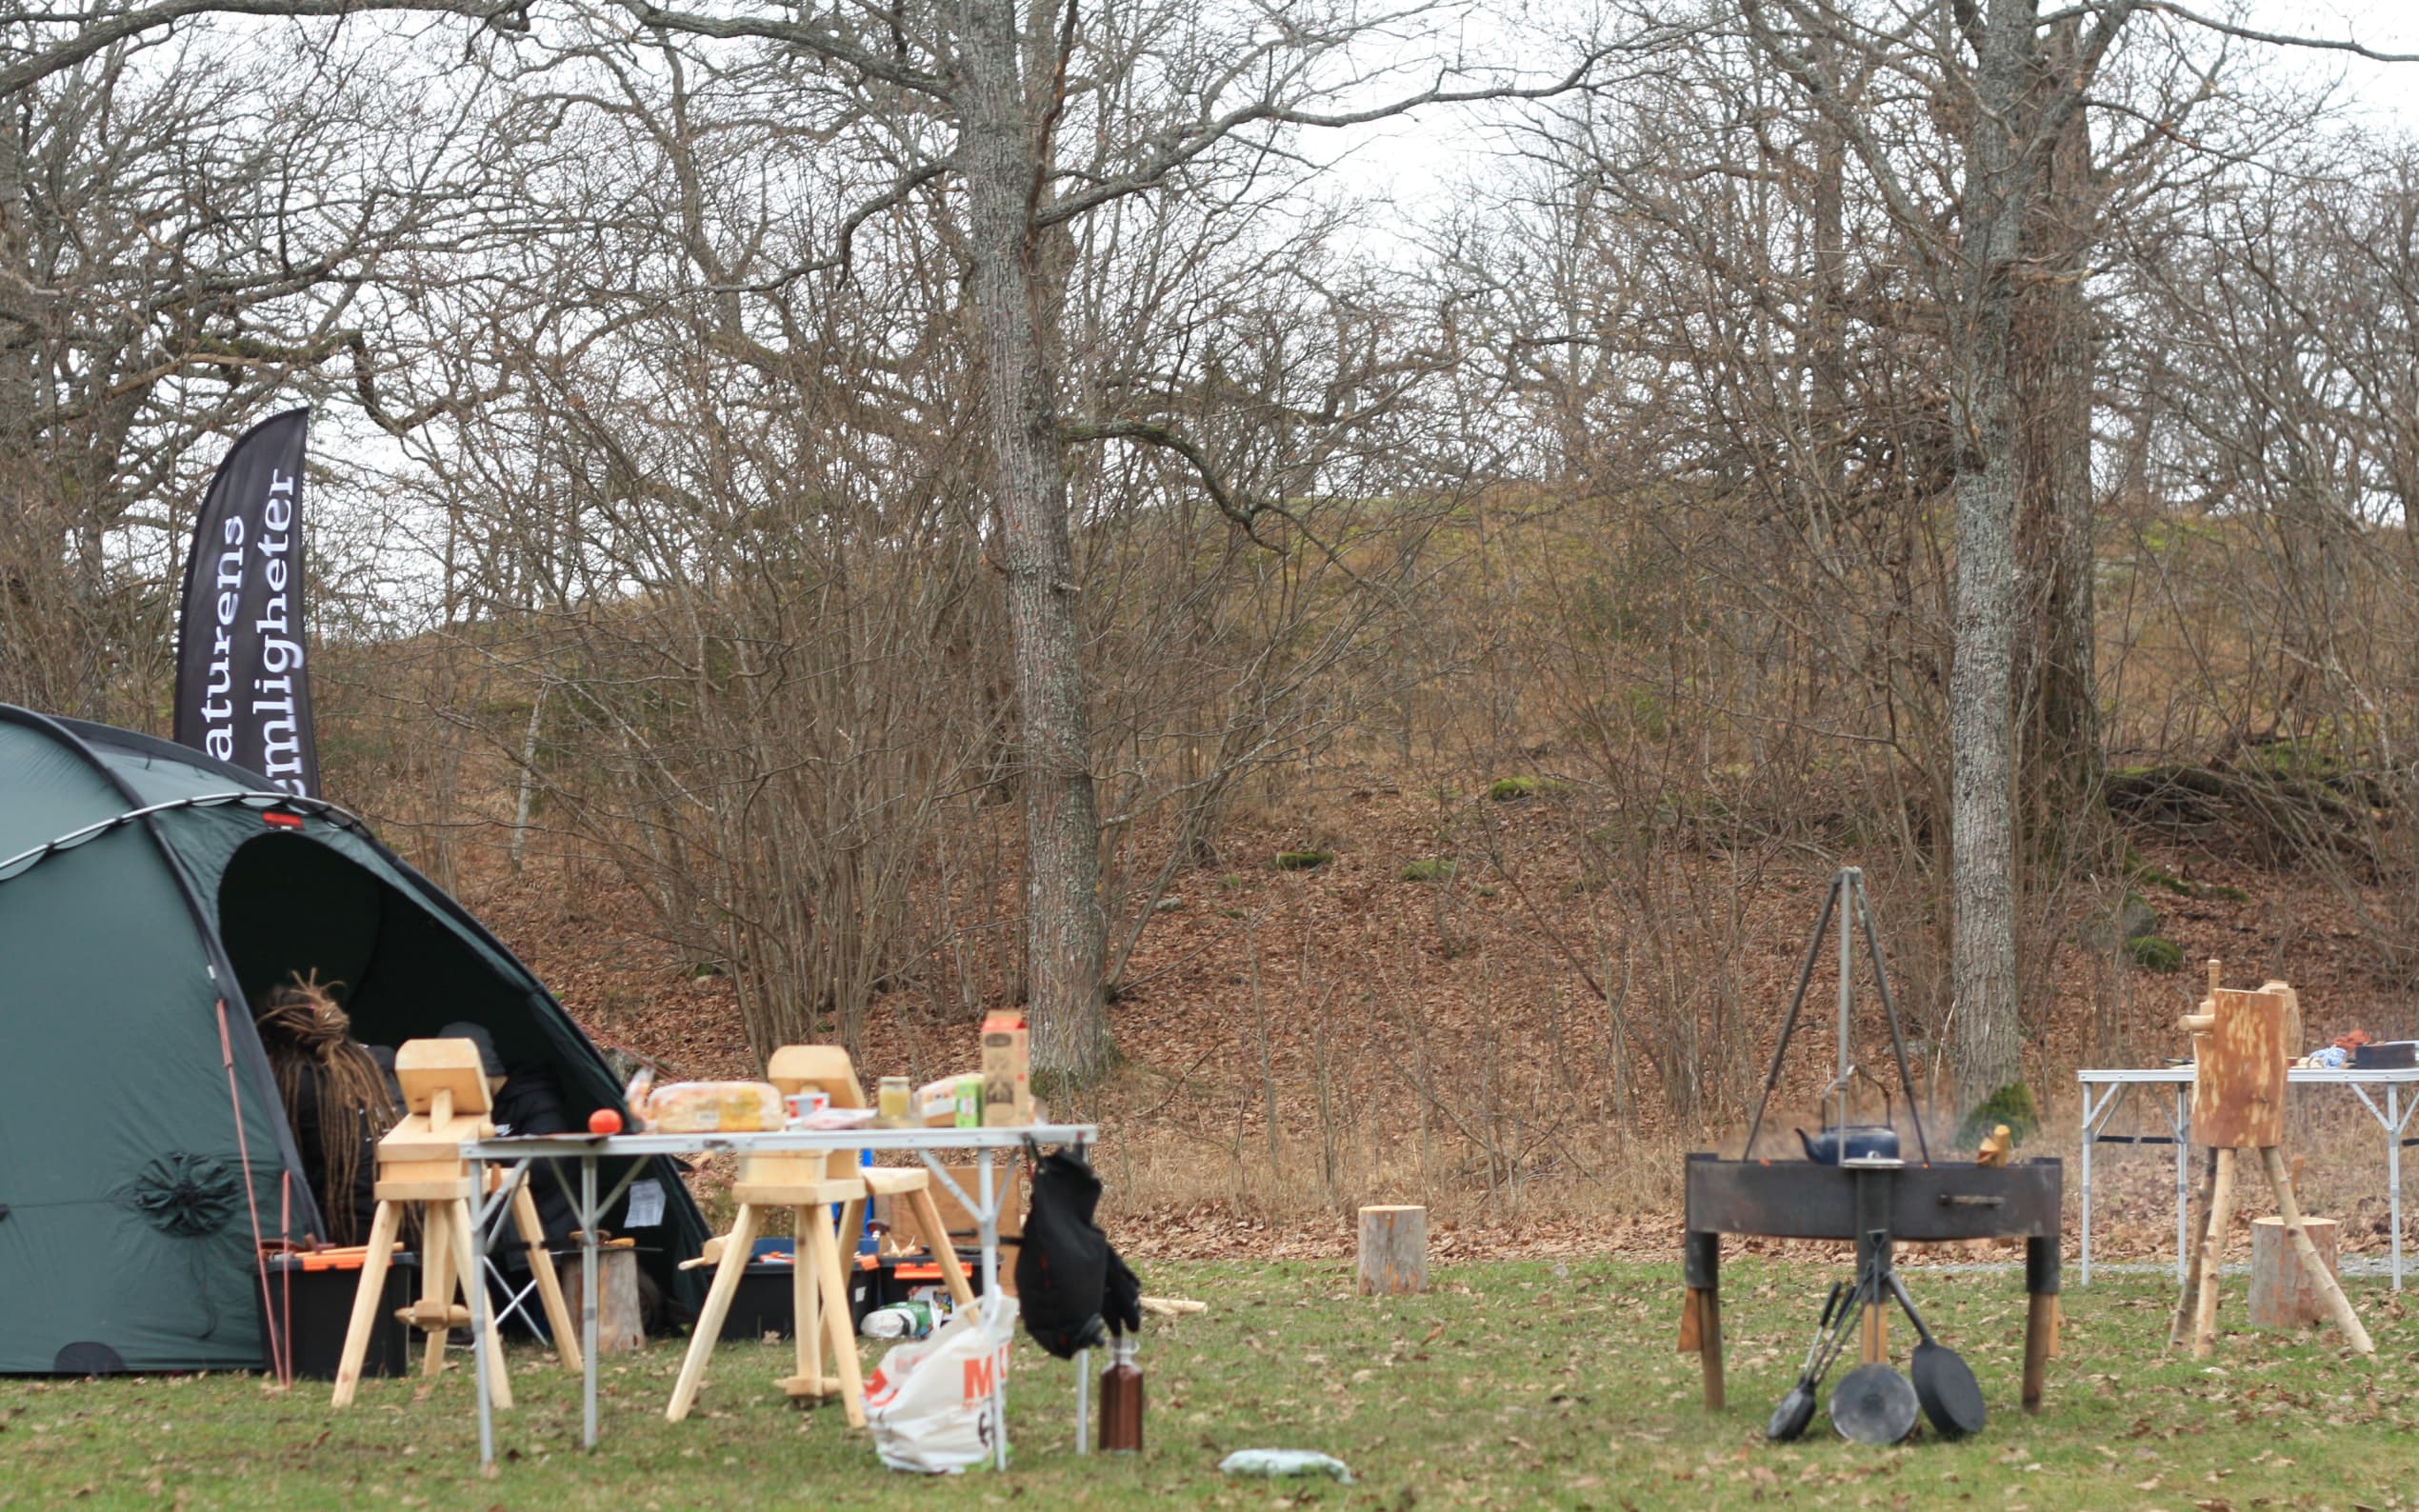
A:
(762, 1302)
(314, 1305)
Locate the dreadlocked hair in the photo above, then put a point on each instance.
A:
(307, 1037)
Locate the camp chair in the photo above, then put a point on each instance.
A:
(809, 1184)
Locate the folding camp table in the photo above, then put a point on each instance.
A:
(2113, 1085)
(518, 1154)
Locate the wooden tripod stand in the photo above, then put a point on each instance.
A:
(420, 1163)
(2242, 1044)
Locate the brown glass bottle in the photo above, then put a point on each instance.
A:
(1121, 1398)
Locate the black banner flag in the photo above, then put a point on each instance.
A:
(242, 691)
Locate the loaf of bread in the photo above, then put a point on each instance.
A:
(714, 1107)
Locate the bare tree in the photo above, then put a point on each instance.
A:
(181, 233)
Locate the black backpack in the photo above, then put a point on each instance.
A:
(1069, 1283)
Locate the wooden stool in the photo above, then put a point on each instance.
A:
(620, 1326)
(420, 1163)
(808, 1183)
(2241, 1044)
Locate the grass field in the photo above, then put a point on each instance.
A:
(1512, 1386)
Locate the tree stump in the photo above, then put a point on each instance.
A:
(619, 1327)
(2284, 1295)
(1393, 1251)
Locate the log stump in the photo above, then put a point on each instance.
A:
(620, 1329)
(2284, 1294)
(1393, 1251)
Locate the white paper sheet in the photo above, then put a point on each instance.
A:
(646, 1205)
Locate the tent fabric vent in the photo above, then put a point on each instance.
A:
(185, 1195)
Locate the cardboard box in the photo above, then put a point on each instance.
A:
(936, 1103)
(1008, 1070)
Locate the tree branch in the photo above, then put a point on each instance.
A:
(2277, 39)
(99, 29)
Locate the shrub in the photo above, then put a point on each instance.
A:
(2012, 1105)
(2155, 953)
(1512, 789)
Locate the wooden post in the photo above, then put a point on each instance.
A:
(2188, 1306)
(1393, 1251)
(2282, 1295)
(2212, 1256)
(549, 1285)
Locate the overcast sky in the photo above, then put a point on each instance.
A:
(2388, 26)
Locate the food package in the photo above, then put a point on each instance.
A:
(937, 1103)
(838, 1118)
(1008, 1070)
(715, 1107)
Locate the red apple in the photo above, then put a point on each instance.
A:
(604, 1121)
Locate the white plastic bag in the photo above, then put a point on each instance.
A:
(933, 1404)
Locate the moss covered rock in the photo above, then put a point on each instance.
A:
(2155, 953)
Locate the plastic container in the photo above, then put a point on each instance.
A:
(892, 1100)
(905, 1320)
(312, 1293)
(715, 1107)
(801, 1106)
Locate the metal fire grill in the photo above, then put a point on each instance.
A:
(1852, 1201)
(1873, 1203)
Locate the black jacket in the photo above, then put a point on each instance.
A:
(530, 1102)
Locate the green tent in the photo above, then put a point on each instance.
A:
(148, 892)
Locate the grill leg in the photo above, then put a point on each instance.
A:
(1701, 1266)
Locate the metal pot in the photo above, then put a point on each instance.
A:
(1850, 1142)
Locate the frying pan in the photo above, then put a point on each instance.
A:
(1942, 1382)
(1874, 1404)
(1797, 1409)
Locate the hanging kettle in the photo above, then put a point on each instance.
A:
(1850, 1142)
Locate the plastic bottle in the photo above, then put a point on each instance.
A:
(901, 1320)
(1121, 1398)
(635, 1095)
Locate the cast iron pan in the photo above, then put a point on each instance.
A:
(1945, 1385)
(1874, 1404)
(1797, 1409)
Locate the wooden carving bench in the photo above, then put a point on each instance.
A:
(420, 1164)
(2242, 1042)
(810, 1184)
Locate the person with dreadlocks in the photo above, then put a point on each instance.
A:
(336, 1098)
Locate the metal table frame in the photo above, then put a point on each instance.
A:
(2393, 1119)
(515, 1156)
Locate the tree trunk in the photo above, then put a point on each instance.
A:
(1064, 926)
(1983, 968)
(2061, 762)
